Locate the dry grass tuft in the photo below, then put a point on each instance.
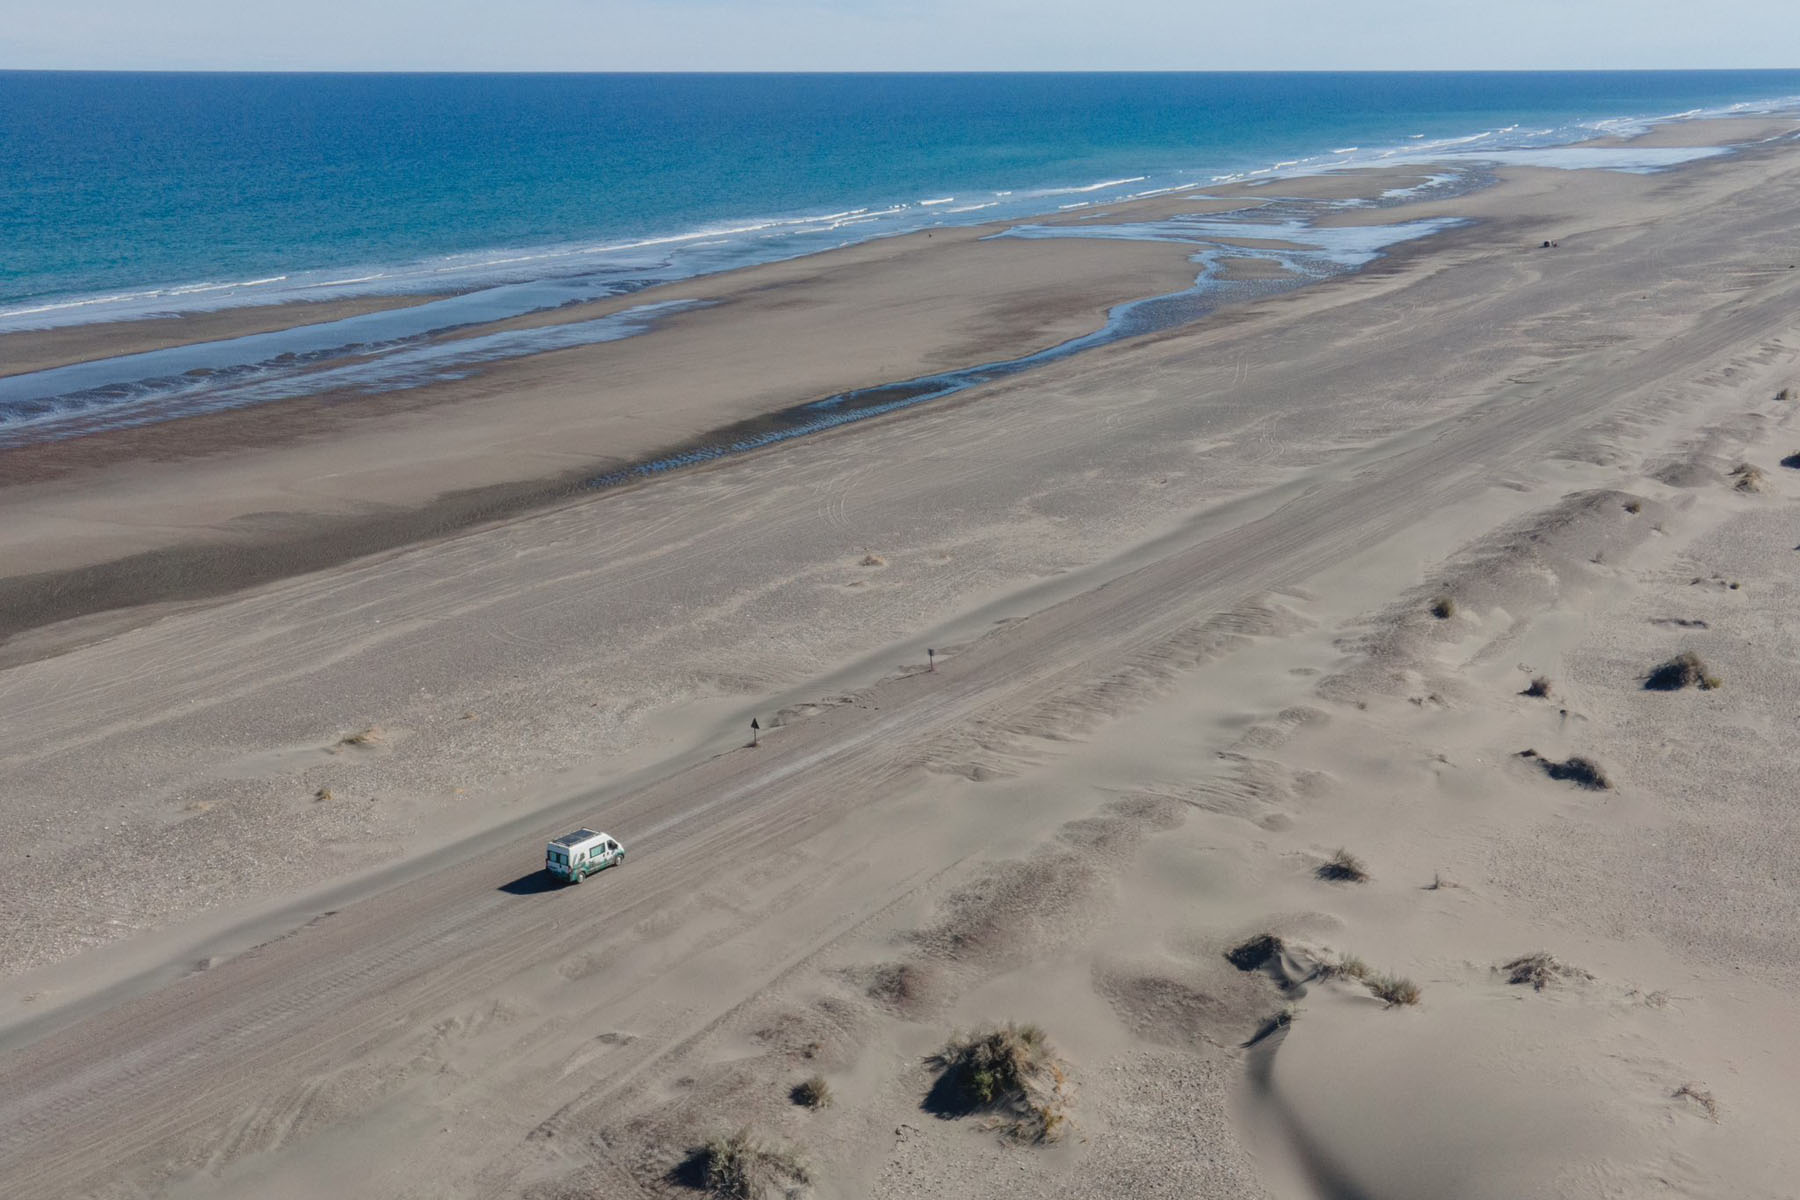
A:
(1686, 669)
(372, 736)
(1393, 989)
(872, 560)
(1749, 478)
(1443, 608)
(1539, 687)
(1008, 1070)
(324, 793)
(1343, 867)
(812, 1093)
(1540, 970)
(1784, 395)
(1254, 954)
(1582, 772)
(1347, 967)
(1634, 507)
(743, 1168)
(1694, 1092)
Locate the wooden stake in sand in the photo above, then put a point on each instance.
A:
(754, 730)
(931, 659)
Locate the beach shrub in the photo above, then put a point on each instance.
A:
(1443, 608)
(1393, 989)
(1749, 478)
(1634, 507)
(1539, 971)
(1539, 687)
(1686, 669)
(1008, 1071)
(1343, 867)
(812, 1093)
(741, 1167)
(1792, 461)
(1582, 772)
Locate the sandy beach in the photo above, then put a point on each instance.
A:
(1286, 753)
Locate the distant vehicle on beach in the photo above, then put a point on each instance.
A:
(575, 856)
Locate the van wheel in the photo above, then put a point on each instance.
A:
(575, 876)
(619, 861)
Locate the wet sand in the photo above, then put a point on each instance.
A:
(41, 349)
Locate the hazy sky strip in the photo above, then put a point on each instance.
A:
(854, 35)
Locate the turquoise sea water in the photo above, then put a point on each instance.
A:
(157, 192)
(125, 195)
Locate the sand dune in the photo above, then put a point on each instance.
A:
(1210, 608)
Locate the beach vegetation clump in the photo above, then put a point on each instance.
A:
(1538, 971)
(812, 1093)
(372, 736)
(1749, 478)
(872, 560)
(1347, 967)
(743, 1167)
(1343, 867)
(325, 794)
(1254, 954)
(1634, 506)
(1009, 1071)
(1538, 687)
(1792, 461)
(1443, 608)
(1686, 669)
(1393, 989)
(1582, 772)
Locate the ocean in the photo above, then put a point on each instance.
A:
(129, 195)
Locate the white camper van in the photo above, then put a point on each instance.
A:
(575, 856)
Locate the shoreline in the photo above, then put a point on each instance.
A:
(1048, 293)
(56, 594)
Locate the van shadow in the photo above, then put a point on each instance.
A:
(533, 884)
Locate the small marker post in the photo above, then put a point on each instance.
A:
(754, 730)
(931, 658)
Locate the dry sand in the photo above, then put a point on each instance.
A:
(1182, 591)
